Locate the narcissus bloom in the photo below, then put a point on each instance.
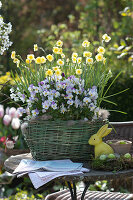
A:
(79, 60)
(101, 50)
(58, 72)
(60, 62)
(56, 50)
(106, 38)
(38, 60)
(50, 57)
(28, 61)
(74, 55)
(43, 59)
(85, 43)
(55, 68)
(89, 60)
(87, 54)
(99, 57)
(35, 47)
(78, 71)
(13, 54)
(30, 56)
(49, 72)
(59, 43)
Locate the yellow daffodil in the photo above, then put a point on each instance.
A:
(101, 50)
(63, 55)
(30, 56)
(49, 72)
(13, 54)
(56, 50)
(99, 57)
(58, 72)
(60, 51)
(74, 55)
(78, 71)
(104, 60)
(55, 68)
(28, 61)
(59, 43)
(89, 60)
(79, 60)
(106, 38)
(74, 60)
(17, 61)
(35, 47)
(38, 60)
(50, 57)
(87, 54)
(43, 60)
(60, 62)
(85, 43)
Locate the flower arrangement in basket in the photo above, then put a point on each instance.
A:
(61, 99)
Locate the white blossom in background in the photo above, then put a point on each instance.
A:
(5, 30)
(9, 144)
(6, 120)
(15, 123)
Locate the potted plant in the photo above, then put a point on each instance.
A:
(62, 98)
(120, 146)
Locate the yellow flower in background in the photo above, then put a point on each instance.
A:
(28, 61)
(79, 60)
(89, 60)
(85, 43)
(78, 71)
(104, 60)
(74, 55)
(35, 47)
(55, 68)
(50, 57)
(49, 72)
(63, 55)
(38, 60)
(58, 72)
(106, 38)
(67, 60)
(99, 57)
(74, 59)
(56, 50)
(17, 61)
(13, 54)
(60, 62)
(30, 57)
(60, 51)
(87, 54)
(59, 43)
(130, 59)
(43, 60)
(101, 50)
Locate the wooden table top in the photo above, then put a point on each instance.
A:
(12, 162)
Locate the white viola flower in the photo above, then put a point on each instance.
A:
(12, 95)
(43, 110)
(70, 96)
(12, 112)
(50, 98)
(54, 106)
(35, 112)
(56, 94)
(93, 93)
(15, 123)
(9, 144)
(63, 109)
(36, 89)
(58, 86)
(76, 91)
(6, 120)
(46, 105)
(1, 111)
(86, 100)
(46, 93)
(12, 90)
(70, 102)
(92, 106)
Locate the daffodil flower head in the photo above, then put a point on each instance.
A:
(43, 60)
(79, 60)
(101, 50)
(58, 72)
(85, 43)
(60, 62)
(87, 54)
(55, 68)
(106, 38)
(30, 56)
(74, 55)
(55, 50)
(38, 60)
(35, 47)
(13, 54)
(78, 71)
(49, 72)
(50, 57)
(63, 55)
(99, 57)
(59, 43)
(89, 60)
(28, 61)
(74, 59)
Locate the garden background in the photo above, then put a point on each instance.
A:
(43, 22)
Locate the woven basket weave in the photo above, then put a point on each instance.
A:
(49, 140)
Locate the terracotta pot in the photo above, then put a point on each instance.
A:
(120, 148)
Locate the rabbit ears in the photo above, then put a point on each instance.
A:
(104, 131)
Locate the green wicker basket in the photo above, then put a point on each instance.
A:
(50, 140)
